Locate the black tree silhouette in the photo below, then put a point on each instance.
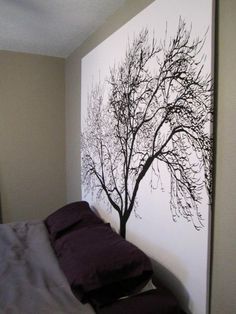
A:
(158, 108)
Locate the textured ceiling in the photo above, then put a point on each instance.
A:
(51, 27)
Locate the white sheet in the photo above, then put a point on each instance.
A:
(31, 281)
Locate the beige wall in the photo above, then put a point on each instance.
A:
(32, 158)
(223, 289)
(224, 248)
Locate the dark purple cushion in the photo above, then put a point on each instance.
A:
(112, 292)
(77, 214)
(156, 301)
(99, 263)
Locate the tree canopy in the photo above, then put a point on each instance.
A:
(158, 108)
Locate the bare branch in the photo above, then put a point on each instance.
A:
(159, 108)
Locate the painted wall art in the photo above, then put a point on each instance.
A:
(146, 138)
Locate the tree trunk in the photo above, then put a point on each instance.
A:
(122, 227)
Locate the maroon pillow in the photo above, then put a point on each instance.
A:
(77, 214)
(100, 264)
(154, 301)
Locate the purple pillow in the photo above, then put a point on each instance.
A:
(73, 215)
(153, 301)
(100, 264)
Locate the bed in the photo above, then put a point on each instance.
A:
(73, 262)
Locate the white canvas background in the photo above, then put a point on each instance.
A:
(178, 246)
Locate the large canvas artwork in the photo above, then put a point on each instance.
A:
(146, 140)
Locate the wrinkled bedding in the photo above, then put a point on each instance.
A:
(31, 280)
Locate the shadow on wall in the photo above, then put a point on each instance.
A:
(168, 279)
(161, 273)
